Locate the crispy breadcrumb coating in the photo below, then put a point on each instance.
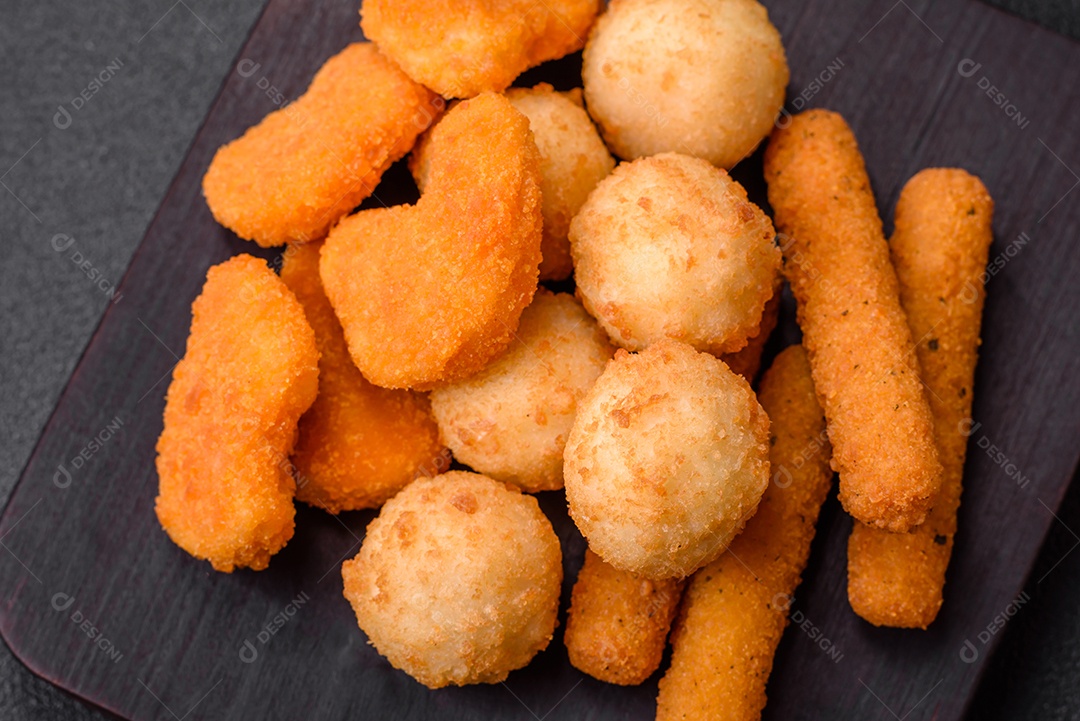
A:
(249, 372)
(854, 330)
(939, 249)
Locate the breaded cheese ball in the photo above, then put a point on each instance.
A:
(457, 581)
(511, 420)
(670, 247)
(702, 77)
(667, 459)
(573, 159)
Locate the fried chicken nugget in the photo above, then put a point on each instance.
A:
(460, 48)
(735, 609)
(303, 167)
(430, 293)
(251, 369)
(359, 444)
(618, 622)
(939, 249)
(854, 329)
(457, 581)
(573, 159)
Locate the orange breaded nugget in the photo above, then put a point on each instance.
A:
(430, 293)
(303, 167)
(854, 330)
(735, 609)
(747, 362)
(460, 48)
(359, 444)
(251, 369)
(939, 249)
(618, 622)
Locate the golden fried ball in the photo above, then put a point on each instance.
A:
(670, 247)
(702, 77)
(573, 159)
(667, 459)
(457, 580)
(511, 420)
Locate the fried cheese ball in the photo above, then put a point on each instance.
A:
(670, 247)
(303, 167)
(747, 362)
(431, 292)
(700, 77)
(573, 159)
(939, 249)
(457, 581)
(862, 355)
(667, 459)
(359, 444)
(461, 48)
(735, 609)
(510, 421)
(225, 490)
(618, 622)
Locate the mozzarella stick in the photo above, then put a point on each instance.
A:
(854, 330)
(735, 609)
(939, 250)
(618, 622)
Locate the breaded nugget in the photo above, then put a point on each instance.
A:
(855, 333)
(747, 362)
(618, 622)
(939, 250)
(573, 160)
(667, 459)
(303, 167)
(670, 247)
(457, 581)
(359, 444)
(461, 48)
(735, 609)
(430, 293)
(251, 369)
(700, 77)
(510, 421)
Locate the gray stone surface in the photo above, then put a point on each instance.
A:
(99, 179)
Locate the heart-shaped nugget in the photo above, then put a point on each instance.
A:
(431, 292)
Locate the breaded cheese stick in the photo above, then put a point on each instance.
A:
(854, 330)
(618, 622)
(939, 250)
(359, 444)
(735, 609)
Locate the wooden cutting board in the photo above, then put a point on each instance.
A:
(97, 599)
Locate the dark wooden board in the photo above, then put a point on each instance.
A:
(96, 599)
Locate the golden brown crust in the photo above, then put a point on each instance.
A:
(285, 179)
(747, 362)
(250, 370)
(457, 581)
(359, 444)
(461, 48)
(939, 249)
(430, 293)
(735, 609)
(854, 329)
(618, 622)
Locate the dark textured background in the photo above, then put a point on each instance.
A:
(99, 181)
